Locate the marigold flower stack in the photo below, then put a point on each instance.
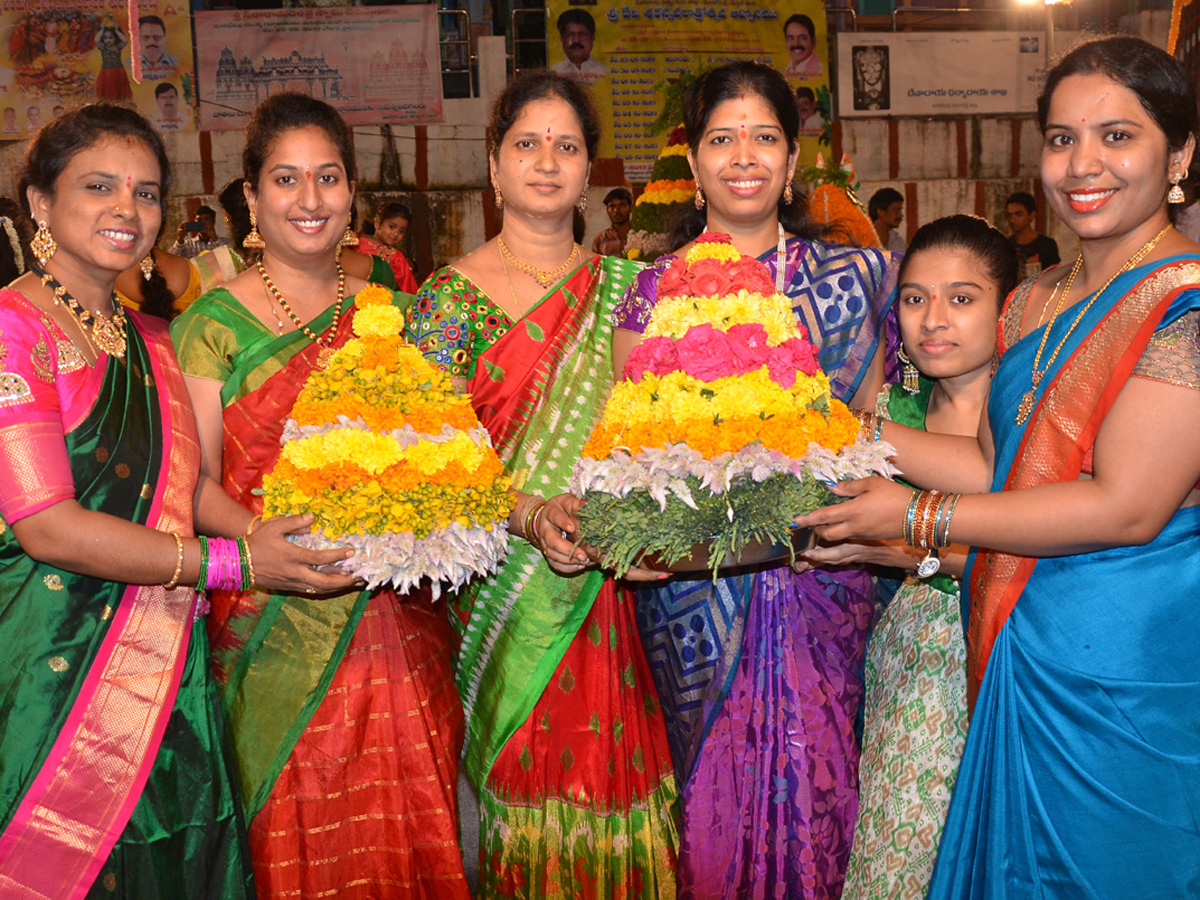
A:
(392, 462)
(724, 428)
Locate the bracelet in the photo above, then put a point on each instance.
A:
(532, 520)
(247, 564)
(257, 520)
(530, 509)
(945, 541)
(872, 423)
(202, 578)
(174, 582)
(920, 518)
(537, 517)
(909, 514)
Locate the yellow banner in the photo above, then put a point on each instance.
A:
(64, 53)
(622, 50)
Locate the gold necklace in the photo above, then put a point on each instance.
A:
(544, 277)
(107, 332)
(1026, 405)
(512, 293)
(326, 351)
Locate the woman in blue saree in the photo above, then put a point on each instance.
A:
(1081, 775)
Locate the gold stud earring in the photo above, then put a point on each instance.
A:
(912, 378)
(699, 196)
(43, 244)
(349, 239)
(787, 193)
(1176, 195)
(147, 265)
(254, 240)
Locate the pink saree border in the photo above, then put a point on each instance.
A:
(75, 810)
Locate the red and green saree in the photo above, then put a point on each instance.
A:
(113, 775)
(345, 722)
(565, 741)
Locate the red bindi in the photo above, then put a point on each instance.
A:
(308, 174)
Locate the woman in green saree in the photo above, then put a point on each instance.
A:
(108, 721)
(565, 743)
(345, 721)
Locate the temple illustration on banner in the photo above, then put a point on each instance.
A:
(397, 71)
(241, 80)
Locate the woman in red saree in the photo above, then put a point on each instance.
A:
(566, 746)
(109, 720)
(346, 725)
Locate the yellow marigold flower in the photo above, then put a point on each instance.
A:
(378, 320)
(373, 295)
(713, 250)
(373, 452)
(673, 317)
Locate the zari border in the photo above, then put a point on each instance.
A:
(102, 759)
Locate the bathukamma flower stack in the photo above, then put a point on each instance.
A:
(392, 462)
(724, 429)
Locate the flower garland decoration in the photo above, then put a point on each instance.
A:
(392, 462)
(671, 186)
(724, 429)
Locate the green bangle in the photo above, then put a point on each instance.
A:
(244, 559)
(202, 578)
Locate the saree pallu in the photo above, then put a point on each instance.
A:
(915, 720)
(344, 717)
(114, 780)
(1081, 775)
(565, 741)
(760, 674)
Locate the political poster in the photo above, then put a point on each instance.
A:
(623, 50)
(376, 65)
(977, 73)
(60, 55)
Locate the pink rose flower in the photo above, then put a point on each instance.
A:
(653, 356)
(752, 275)
(704, 353)
(748, 344)
(674, 280)
(713, 237)
(803, 355)
(709, 278)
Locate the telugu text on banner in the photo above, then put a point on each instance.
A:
(376, 65)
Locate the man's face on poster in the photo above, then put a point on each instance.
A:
(799, 42)
(168, 104)
(807, 107)
(577, 43)
(154, 41)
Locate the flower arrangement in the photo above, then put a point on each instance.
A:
(834, 202)
(671, 185)
(392, 462)
(724, 429)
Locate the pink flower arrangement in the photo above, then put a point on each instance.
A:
(707, 354)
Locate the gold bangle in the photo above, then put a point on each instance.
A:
(174, 582)
(531, 520)
(249, 565)
(250, 528)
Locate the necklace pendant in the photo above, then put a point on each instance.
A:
(1025, 407)
(108, 336)
(324, 355)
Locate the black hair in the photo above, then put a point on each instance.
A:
(23, 228)
(393, 209)
(285, 112)
(58, 142)
(709, 91)
(157, 299)
(233, 200)
(576, 17)
(543, 84)
(806, 93)
(801, 19)
(152, 20)
(618, 193)
(207, 211)
(974, 235)
(163, 87)
(1024, 198)
(881, 200)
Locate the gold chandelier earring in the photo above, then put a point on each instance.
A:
(43, 244)
(582, 204)
(699, 195)
(912, 378)
(787, 193)
(254, 240)
(499, 196)
(147, 265)
(1176, 195)
(349, 239)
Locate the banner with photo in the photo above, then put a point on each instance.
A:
(622, 50)
(377, 64)
(62, 54)
(939, 73)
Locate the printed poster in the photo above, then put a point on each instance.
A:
(622, 50)
(977, 73)
(375, 64)
(60, 54)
